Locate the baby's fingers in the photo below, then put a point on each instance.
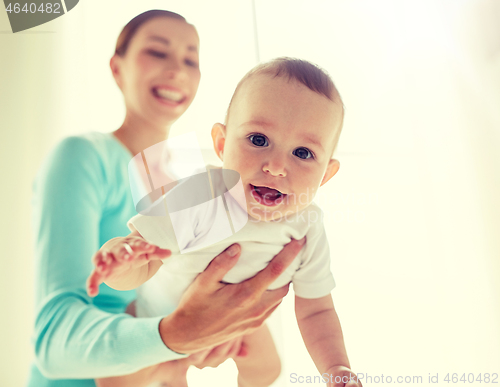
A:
(144, 251)
(98, 258)
(159, 254)
(93, 282)
(134, 247)
(102, 260)
(124, 252)
(145, 258)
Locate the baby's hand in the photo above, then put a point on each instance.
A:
(340, 376)
(119, 257)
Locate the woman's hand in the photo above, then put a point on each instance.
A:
(214, 357)
(211, 313)
(173, 373)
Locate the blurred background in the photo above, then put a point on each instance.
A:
(413, 216)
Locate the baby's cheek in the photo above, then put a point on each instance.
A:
(309, 190)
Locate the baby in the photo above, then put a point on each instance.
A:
(282, 126)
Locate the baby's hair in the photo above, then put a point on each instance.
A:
(308, 74)
(131, 27)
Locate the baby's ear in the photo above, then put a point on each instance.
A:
(331, 170)
(219, 139)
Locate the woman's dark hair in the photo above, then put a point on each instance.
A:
(130, 29)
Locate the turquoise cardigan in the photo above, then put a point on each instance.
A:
(82, 199)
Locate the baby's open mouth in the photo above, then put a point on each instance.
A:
(267, 196)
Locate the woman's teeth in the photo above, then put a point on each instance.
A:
(169, 95)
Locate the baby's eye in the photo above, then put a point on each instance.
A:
(258, 140)
(303, 153)
(157, 54)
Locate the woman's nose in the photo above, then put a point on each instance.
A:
(274, 167)
(174, 67)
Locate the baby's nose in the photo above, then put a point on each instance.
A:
(274, 168)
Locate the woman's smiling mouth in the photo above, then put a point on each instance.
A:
(169, 96)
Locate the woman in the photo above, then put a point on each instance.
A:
(82, 199)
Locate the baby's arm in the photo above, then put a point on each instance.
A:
(125, 263)
(320, 328)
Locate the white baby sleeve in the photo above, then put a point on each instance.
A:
(314, 279)
(157, 230)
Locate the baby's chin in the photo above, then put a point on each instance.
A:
(263, 215)
(259, 212)
(268, 214)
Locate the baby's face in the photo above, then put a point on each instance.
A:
(279, 137)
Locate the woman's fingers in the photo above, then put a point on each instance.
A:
(218, 268)
(277, 266)
(236, 349)
(198, 358)
(274, 297)
(216, 356)
(235, 309)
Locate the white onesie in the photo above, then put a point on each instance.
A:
(260, 241)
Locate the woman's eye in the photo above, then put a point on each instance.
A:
(191, 63)
(258, 140)
(303, 153)
(157, 54)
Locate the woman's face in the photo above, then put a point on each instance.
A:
(159, 73)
